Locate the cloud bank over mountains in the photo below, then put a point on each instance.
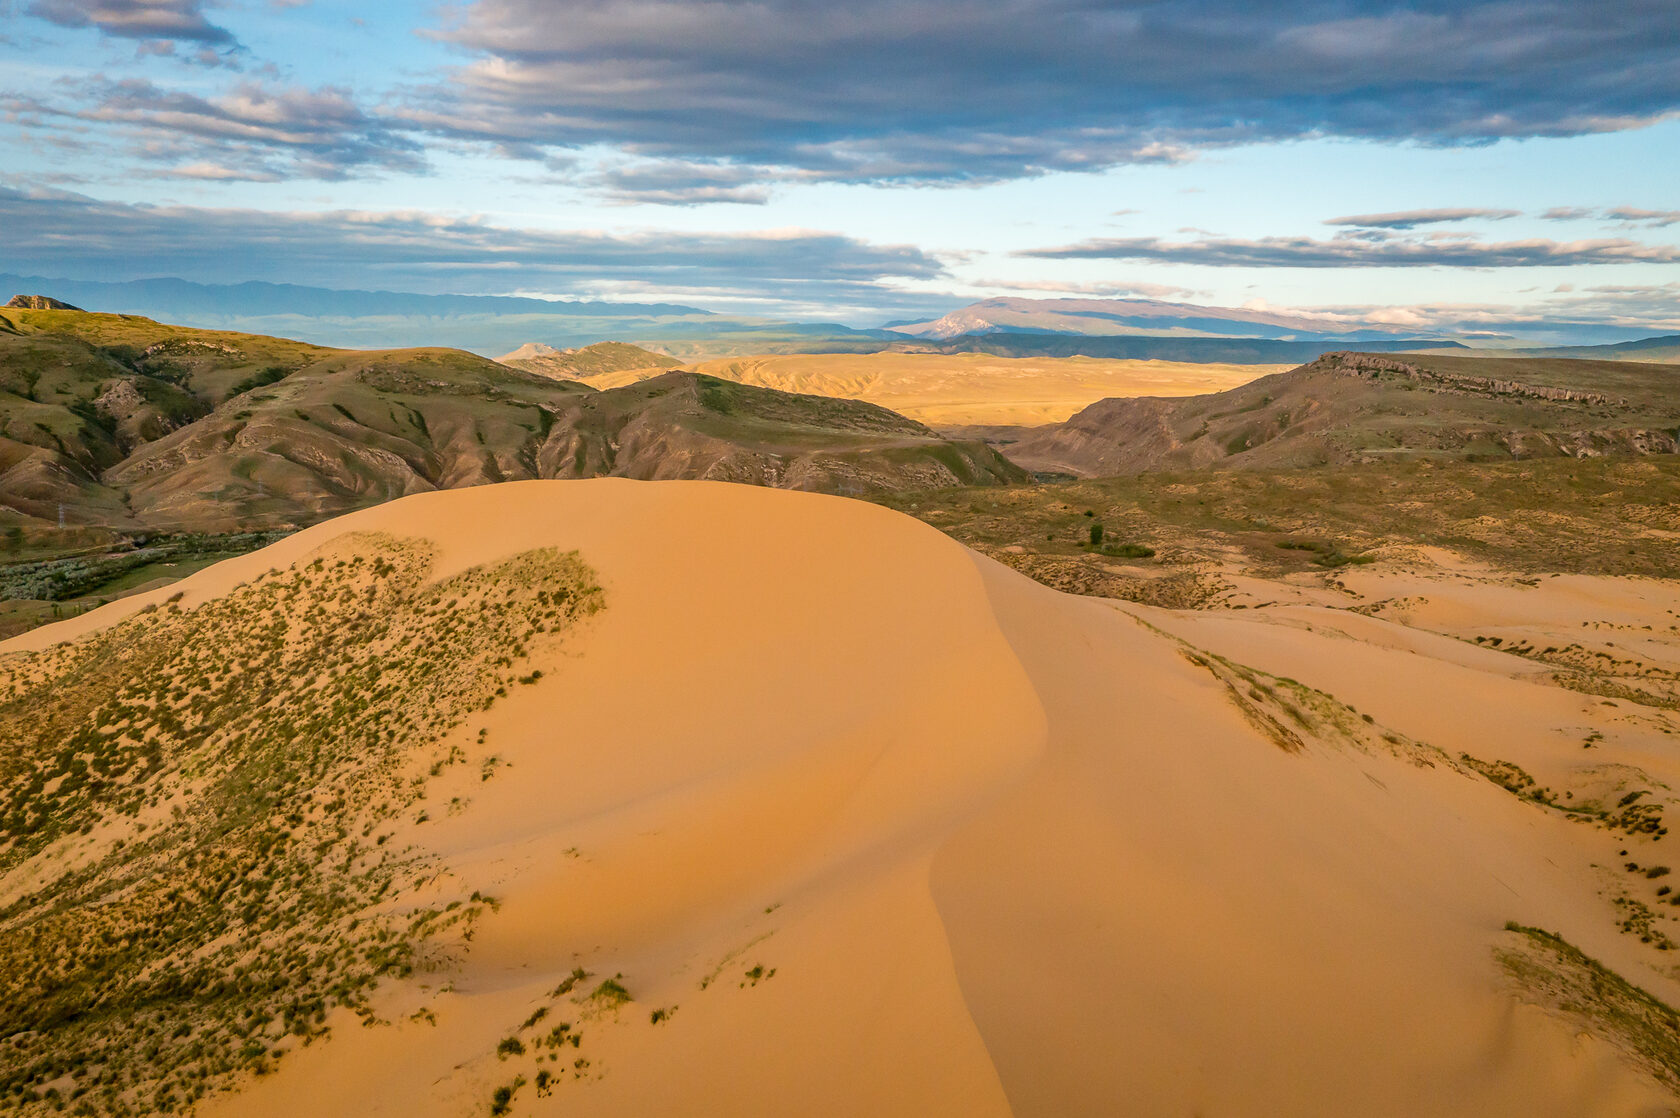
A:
(791, 273)
(1365, 250)
(423, 252)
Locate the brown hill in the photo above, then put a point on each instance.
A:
(131, 424)
(587, 361)
(1360, 407)
(362, 428)
(81, 392)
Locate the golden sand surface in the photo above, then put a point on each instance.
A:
(838, 817)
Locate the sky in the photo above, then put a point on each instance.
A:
(1468, 168)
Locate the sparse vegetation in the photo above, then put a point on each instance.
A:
(1632, 814)
(501, 1099)
(227, 776)
(1587, 516)
(578, 975)
(1558, 974)
(611, 993)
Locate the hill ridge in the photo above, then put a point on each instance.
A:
(1352, 406)
(130, 424)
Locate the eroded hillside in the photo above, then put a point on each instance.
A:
(121, 423)
(1361, 407)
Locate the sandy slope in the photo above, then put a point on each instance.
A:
(944, 390)
(1005, 850)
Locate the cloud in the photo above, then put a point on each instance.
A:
(1648, 218)
(1629, 217)
(963, 91)
(681, 183)
(252, 132)
(216, 172)
(1364, 250)
(1410, 219)
(991, 287)
(59, 233)
(173, 21)
(1567, 317)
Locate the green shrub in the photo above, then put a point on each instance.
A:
(611, 992)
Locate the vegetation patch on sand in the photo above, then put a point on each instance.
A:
(1557, 974)
(1289, 713)
(196, 806)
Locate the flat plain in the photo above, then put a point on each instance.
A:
(968, 389)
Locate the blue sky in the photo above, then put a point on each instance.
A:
(1469, 167)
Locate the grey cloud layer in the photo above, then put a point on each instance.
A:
(57, 233)
(1365, 250)
(252, 132)
(961, 89)
(721, 100)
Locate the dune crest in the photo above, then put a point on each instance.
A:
(820, 812)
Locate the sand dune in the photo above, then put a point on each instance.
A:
(964, 389)
(883, 827)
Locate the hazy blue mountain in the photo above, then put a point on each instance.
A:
(1665, 348)
(1238, 351)
(1134, 317)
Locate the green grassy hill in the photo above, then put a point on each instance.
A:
(80, 392)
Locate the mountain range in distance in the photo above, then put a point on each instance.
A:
(482, 324)
(1137, 329)
(1136, 317)
(1663, 350)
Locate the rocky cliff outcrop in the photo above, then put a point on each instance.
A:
(39, 303)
